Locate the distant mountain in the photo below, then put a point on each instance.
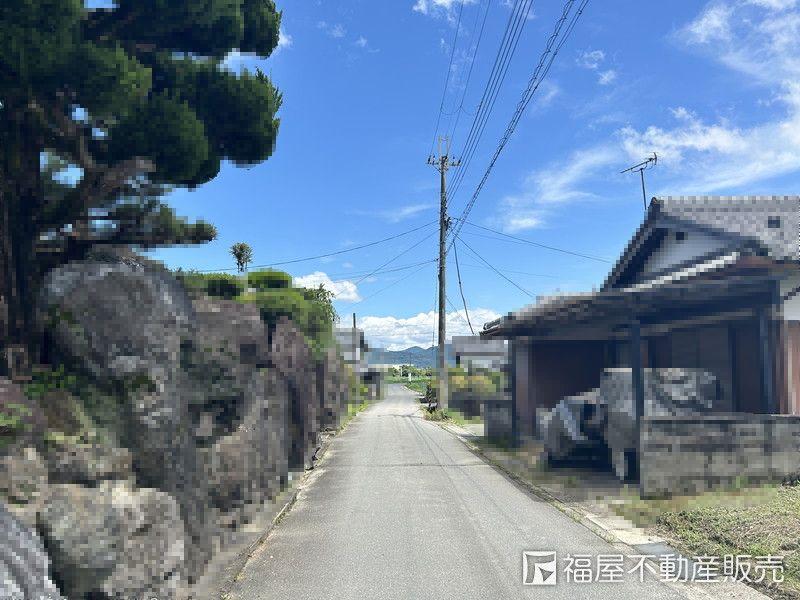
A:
(416, 356)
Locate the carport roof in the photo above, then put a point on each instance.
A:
(744, 281)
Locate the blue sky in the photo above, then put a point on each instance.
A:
(711, 87)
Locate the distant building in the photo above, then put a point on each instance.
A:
(353, 348)
(471, 352)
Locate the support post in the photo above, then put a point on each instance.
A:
(767, 365)
(511, 381)
(637, 376)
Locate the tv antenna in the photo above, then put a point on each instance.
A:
(641, 168)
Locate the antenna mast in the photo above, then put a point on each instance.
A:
(641, 168)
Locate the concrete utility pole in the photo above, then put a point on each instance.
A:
(356, 361)
(442, 163)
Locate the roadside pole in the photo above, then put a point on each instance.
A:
(442, 163)
(356, 361)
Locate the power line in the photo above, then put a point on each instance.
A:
(553, 46)
(488, 264)
(308, 258)
(458, 314)
(394, 270)
(461, 289)
(447, 77)
(391, 260)
(393, 284)
(505, 53)
(471, 63)
(537, 244)
(511, 270)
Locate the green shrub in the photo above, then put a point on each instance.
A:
(289, 303)
(269, 279)
(224, 286)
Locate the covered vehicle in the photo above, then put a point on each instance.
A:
(603, 420)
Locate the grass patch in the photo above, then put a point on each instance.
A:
(418, 385)
(352, 410)
(461, 420)
(756, 521)
(436, 415)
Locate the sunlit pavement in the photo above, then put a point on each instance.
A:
(400, 508)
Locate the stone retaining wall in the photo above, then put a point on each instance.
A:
(688, 455)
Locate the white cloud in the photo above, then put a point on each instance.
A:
(235, 60)
(335, 30)
(719, 156)
(774, 4)
(712, 24)
(361, 42)
(561, 182)
(548, 90)
(406, 212)
(606, 77)
(437, 8)
(591, 59)
(284, 40)
(756, 37)
(395, 333)
(343, 290)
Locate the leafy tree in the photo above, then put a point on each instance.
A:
(104, 110)
(243, 254)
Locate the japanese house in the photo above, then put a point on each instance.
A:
(707, 282)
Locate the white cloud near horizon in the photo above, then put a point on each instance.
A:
(397, 333)
(343, 290)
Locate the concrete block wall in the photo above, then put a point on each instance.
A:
(497, 415)
(689, 455)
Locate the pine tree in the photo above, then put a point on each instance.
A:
(102, 111)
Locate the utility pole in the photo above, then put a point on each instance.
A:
(356, 361)
(641, 168)
(442, 163)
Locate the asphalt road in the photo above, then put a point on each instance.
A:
(400, 508)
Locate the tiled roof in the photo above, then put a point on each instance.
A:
(746, 216)
(745, 219)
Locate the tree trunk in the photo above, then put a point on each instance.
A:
(20, 197)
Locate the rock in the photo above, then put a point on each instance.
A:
(293, 360)
(72, 462)
(24, 564)
(251, 463)
(129, 323)
(23, 475)
(332, 389)
(122, 319)
(114, 541)
(23, 422)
